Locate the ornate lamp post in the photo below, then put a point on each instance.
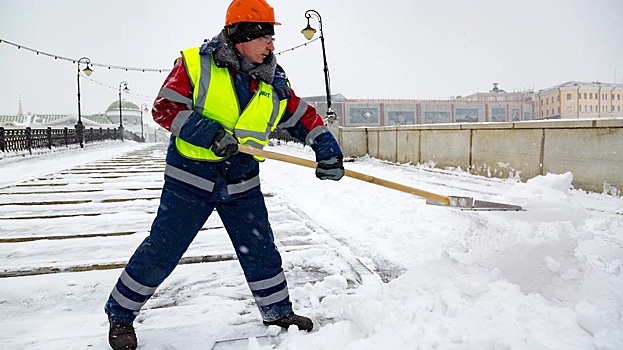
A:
(123, 84)
(143, 108)
(87, 71)
(308, 32)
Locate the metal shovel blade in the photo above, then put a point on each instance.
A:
(468, 203)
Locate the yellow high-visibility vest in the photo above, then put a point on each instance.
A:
(214, 97)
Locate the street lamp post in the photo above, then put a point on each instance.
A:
(123, 84)
(308, 32)
(87, 71)
(143, 108)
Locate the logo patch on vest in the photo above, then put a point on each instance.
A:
(264, 93)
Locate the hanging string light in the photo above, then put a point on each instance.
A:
(73, 60)
(296, 47)
(137, 96)
(112, 66)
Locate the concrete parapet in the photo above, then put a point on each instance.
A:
(506, 152)
(590, 149)
(487, 126)
(594, 156)
(446, 148)
(354, 141)
(408, 146)
(555, 124)
(609, 123)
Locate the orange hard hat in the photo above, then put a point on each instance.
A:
(249, 11)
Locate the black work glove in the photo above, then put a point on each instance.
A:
(330, 169)
(224, 144)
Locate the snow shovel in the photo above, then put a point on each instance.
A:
(465, 203)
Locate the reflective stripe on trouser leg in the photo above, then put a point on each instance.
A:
(180, 216)
(246, 221)
(129, 286)
(259, 288)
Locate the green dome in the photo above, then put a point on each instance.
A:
(124, 105)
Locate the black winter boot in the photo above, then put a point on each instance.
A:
(304, 323)
(121, 336)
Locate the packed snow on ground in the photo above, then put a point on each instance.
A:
(548, 277)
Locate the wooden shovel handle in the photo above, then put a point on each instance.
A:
(350, 173)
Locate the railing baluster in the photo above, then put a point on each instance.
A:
(29, 139)
(2, 140)
(49, 134)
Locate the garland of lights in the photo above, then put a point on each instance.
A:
(73, 60)
(111, 66)
(138, 96)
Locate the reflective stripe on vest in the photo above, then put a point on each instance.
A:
(214, 97)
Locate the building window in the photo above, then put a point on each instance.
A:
(558, 98)
(618, 108)
(585, 95)
(591, 108)
(591, 96)
(612, 97)
(558, 110)
(605, 97)
(579, 96)
(568, 97)
(618, 96)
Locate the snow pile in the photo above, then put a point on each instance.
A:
(544, 278)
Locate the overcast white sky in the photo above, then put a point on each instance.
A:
(375, 49)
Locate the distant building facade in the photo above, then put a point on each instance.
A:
(570, 100)
(54, 120)
(574, 100)
(494, 106)
(130, 112)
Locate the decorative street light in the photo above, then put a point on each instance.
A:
(308, 32)
(123, 84)
(143, 108)
(87, 71)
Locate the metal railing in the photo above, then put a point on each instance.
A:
(28, 139)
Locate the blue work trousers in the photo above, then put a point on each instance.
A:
(182, 213)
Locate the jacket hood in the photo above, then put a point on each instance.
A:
(226, 55)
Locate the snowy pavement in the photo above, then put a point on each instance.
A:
(88, 219)
(548, 277)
